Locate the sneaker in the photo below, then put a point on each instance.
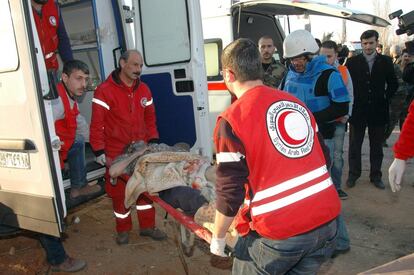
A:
(338, 252)
(122, 238)
(154, 233)
(342, 195)
(379, 184)
(69, 265)
(350, 183)
(84, 191)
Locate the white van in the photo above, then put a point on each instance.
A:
(169, 35)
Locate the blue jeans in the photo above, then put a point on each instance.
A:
(76, 161)
(302, 254)
(338, 160)
(55, 253)
(342, 242)
(330, 144)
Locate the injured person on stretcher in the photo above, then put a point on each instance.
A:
(182, 179)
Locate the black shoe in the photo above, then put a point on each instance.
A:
(122, 238)
(154, 233)
(342, 195)
(379, 184)
(69, 265)
(338, 252)
(350, 183)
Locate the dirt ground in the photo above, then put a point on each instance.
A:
(380, 226)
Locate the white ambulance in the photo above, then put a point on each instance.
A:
(169, 35)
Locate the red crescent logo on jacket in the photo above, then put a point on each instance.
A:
(290, 129)
(52, 20)
(144, 102)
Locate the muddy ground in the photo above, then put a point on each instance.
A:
(380, 224)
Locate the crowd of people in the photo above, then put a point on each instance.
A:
(287, 212)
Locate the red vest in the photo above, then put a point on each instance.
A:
(290, 191)
(47, 26)
(66, 127)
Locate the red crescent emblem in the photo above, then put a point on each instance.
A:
(281, 125)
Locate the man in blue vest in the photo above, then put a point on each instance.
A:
(320, 86)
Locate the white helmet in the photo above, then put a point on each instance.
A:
(298, 43)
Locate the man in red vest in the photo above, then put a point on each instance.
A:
(271, 163)
(72, 128)
(52, 33)
(403, 150)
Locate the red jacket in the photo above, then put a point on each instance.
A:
(121, 115)
(66, 127)
(47, 26)
(404, 147)
(289, 183)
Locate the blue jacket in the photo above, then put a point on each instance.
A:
(319, 91)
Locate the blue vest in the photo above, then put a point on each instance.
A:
(302, 85)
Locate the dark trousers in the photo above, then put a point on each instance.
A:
(55, 253)
(356, 138)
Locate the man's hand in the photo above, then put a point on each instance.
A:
(395, 173)
(217, 246)
(101, 159)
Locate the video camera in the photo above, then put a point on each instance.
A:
(405, 22)
(405, 25)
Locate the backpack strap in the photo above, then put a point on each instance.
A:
(321, 87)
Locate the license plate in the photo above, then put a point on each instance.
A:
(18, 160)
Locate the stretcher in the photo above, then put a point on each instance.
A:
(188, 227)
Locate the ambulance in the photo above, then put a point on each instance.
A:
(181, 67)
(169, 35)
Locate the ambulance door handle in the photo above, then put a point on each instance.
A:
(115, 57)
(52, 78)
(56, 143)
(17, 145)
(128, 13)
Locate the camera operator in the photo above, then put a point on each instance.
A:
(408, 73)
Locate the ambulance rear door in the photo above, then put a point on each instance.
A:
(169, 36)
(31, 190)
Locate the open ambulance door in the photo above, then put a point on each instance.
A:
(31, 190)
(251, 16)
(169, 36)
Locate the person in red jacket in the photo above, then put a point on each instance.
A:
(403, 150)
(271, 163)
(52, 33)
(123, 112)
(72, 128)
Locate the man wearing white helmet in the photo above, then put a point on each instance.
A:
(315, 82)
(320, 86)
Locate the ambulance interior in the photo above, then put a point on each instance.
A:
(96, 38)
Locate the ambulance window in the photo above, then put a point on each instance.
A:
(212, 52)
(8, 50)
(165, 33)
